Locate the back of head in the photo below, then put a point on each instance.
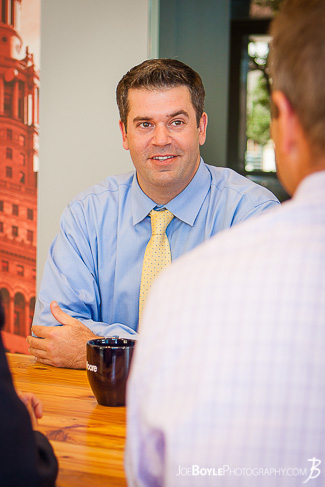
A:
(159, 74)
(297, 63)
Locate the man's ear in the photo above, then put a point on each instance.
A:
(203, 128)
(286, 122)
(124, 135)
(292, 148)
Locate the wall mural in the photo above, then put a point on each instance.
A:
(19, 132)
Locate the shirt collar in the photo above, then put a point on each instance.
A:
(312, 187)
(184, 206)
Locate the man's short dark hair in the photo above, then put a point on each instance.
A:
(297, 61)
(158, 74)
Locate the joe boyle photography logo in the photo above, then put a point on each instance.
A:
(306, 474)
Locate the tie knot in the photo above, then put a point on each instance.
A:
(160, 221)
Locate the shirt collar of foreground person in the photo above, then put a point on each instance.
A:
(227, 384)
(94, 266)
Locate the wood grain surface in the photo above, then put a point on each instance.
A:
(88, 439)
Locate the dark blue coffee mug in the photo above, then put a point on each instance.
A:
(108, 367)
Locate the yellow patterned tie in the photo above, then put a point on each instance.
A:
(157, 255)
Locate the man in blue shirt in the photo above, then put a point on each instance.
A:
(94, 265)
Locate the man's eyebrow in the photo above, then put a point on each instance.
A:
(171, 115)
(141, 119)
(180, 112)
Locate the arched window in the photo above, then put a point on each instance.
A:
(8, 98)
(4, 12)
(5, 298)
(31, 311)
(19, 315)
(21, 100)
(21, 159)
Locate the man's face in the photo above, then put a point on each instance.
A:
(163, 139)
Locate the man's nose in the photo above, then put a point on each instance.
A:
(161, 135)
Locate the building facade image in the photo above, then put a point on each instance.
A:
(19, 131)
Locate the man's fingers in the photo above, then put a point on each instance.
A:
(46, 361)
(37, 343)
(37, 406)
(60, 315)
(43, 357)
(61, 346)
(32, 415)
(37, 352)
(30, 400)
(41, 331)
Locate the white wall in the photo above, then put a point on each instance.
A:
(86, 47)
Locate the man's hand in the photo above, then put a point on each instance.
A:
(33, 405)
(61, 346)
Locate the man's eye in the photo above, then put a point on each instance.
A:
(177, 123)
(144, 125)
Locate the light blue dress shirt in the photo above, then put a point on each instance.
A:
(94, 265)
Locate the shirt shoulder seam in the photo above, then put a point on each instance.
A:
(95, 193)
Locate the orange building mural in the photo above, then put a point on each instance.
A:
(19, 132)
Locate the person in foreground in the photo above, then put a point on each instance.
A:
(95, 264)
(227, 386)
(26, 456)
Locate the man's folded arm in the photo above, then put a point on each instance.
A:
(105, 330)
(71, 277)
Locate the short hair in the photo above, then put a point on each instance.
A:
(297, 63)
(157, 74)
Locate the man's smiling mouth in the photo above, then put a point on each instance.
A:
(162, 158)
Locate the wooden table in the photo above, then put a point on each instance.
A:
(88, 439)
